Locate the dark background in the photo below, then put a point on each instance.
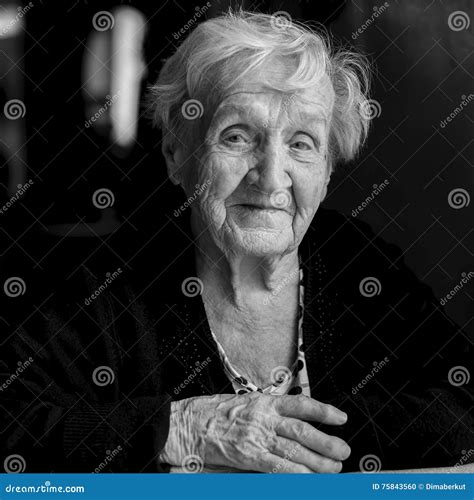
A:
(422, 69)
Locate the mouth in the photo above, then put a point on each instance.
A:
(263, 208)
(266, 208)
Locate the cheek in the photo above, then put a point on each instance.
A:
(308, 187)
(224, 173)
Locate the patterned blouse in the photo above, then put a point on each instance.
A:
(286, 380)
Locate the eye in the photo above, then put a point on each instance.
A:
(235, 138)
(302, 142)
(301, 145)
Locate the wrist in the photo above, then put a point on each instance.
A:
(183, 440)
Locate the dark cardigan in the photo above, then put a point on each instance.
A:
(384, 359)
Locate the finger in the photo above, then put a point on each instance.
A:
(313, 439)
(275, 464)
(295, 452)
(305, 408)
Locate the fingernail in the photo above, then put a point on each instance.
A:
(343, 415)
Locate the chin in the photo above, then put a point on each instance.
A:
(259, 242)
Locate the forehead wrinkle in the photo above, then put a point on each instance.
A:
(298, 116)
(251, 108)
(284, 107)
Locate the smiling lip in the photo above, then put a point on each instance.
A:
(269, 208)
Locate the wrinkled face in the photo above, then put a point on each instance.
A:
(263, 159)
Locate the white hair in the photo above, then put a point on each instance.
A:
(222, 50)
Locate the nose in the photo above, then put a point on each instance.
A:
(270, 173)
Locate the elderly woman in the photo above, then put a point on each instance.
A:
(277, 339)
(274, 109)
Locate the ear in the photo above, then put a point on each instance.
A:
(173, 154)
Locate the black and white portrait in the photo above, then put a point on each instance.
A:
(237, 237)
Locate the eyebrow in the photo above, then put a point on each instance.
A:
(252, 112)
